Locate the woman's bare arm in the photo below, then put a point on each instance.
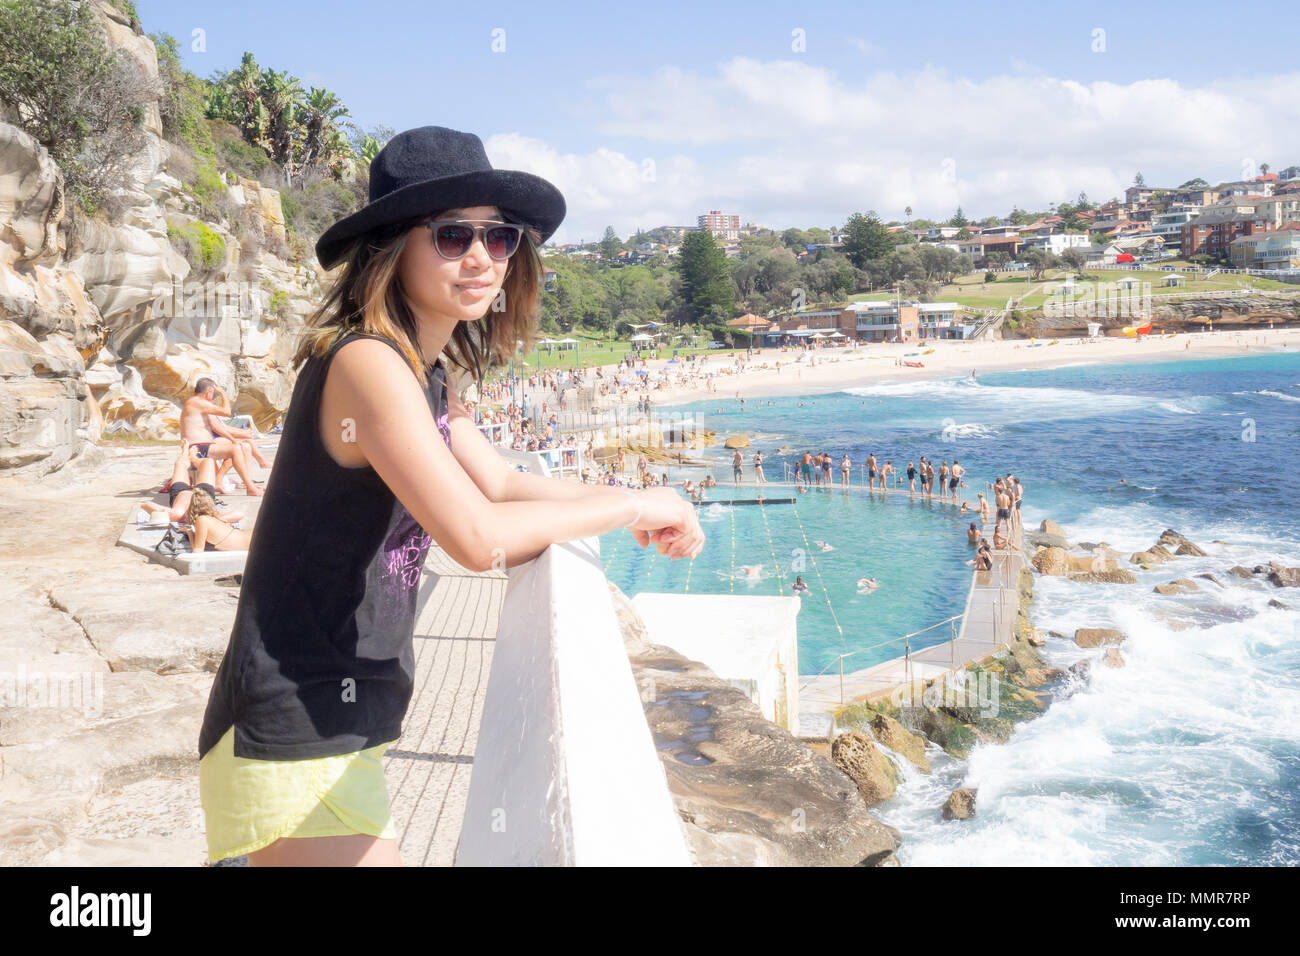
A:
(396, 434)
(198, 535)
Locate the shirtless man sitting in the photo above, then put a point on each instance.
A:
(214, 440)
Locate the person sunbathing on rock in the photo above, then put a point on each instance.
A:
(209, 440)
(179, 490)
(208, 531)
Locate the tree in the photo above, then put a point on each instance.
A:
(959, 218)
(1196, 183)
(610, 246)
(1018, 217)
(866, 238)
(320, 114)
(1139, 181)
(1039, 261)
(1075, 258)
(908, 213)
(705, 276)
(84, 103)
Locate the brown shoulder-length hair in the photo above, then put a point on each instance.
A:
(367, 296)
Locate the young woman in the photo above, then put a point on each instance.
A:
(378, 459)
(209, 529)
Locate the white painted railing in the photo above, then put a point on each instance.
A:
(565, 770)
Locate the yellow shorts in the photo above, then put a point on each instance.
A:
(249, 804)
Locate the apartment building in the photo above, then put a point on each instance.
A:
(1273, 249)
(722, 226)
(1212, 232)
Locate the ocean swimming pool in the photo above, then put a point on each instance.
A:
(1187, 755)
(915, 549)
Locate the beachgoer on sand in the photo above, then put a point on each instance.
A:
(379, 459)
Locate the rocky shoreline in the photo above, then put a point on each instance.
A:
(885, 731)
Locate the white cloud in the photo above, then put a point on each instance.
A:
(793, 144)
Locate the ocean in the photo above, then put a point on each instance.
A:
(1188, 755)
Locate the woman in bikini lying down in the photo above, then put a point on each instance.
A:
(180, 488)
(207, 529)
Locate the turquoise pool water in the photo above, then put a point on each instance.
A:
(916, 550)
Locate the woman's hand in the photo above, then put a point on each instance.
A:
(669, 520)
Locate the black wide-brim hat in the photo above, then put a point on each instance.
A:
(431, 168)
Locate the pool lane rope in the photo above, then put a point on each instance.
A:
(731, 578)
(780, 579)
(817, 570)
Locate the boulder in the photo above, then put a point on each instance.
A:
(1113, 657)
(1097, 636)
(1038, 676)
(1091, 562)
(1179, 586)
(1048, 526)
(960, 804)
(1210, 577)
(737, 441)
(873, 772)
(1285, 577)
(1178, 543)
(1036, 539)
(1148, 559)
(1274, 602)
(1036, 639)
(1051, 561)
(1115, 576)
(901, 741)
(1238, 571)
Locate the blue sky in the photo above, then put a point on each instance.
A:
(791, 114)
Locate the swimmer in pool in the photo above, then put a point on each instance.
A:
(868, 584)
(798, 585)
(752, 570)
(823, 546)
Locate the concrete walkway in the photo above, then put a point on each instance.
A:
(428, 769)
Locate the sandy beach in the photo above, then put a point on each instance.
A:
(869, 364)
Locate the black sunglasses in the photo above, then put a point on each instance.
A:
(453, 238)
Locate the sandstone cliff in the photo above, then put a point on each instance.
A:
(106, 322)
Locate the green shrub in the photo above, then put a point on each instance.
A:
(202, 248)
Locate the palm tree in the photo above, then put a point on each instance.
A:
(282, 96)
(319, 115)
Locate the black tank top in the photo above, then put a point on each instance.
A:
(320, 660)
